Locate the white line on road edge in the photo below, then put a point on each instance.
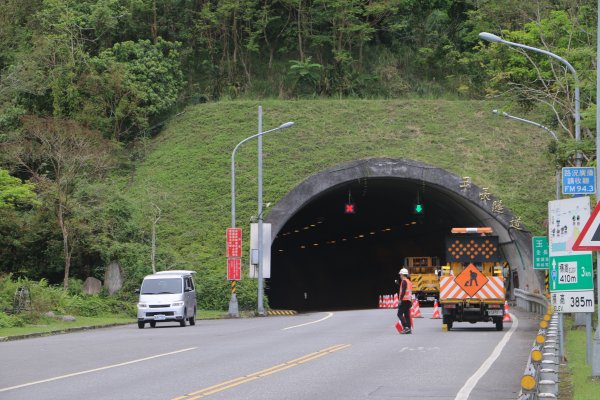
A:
(94, 370)
(465, 391)
(329, 315)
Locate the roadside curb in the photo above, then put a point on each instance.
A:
(58, 332)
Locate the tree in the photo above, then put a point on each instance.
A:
(13, 192)
(131, 84)
(59, 154)
(531, 78)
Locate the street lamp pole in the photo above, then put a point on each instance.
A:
(506, 115)
(493, 38)
(233, 304)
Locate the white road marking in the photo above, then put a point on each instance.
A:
(420, 348)
(56, 378)
(329, 315)
(465, 391)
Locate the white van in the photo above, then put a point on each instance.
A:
(167, 296)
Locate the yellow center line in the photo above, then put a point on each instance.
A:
(260, 374)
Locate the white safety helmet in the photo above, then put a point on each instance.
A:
(403, 271)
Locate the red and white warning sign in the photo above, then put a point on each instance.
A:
(589, 238)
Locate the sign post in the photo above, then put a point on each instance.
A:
(570, 270)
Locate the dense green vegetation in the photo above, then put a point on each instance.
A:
(577, 383)
(117, 117)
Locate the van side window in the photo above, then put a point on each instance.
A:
(189, 284)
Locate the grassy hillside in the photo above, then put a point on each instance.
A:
(186, 171)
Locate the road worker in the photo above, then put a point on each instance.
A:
(405, 303)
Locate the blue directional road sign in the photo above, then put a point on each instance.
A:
(579, 180)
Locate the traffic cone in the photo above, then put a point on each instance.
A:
(436, 311)
(396, 300)
(415, 310)
(506, 314)
(399, 327)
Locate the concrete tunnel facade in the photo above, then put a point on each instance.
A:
(323, 258)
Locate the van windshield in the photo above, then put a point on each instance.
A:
(162, 286)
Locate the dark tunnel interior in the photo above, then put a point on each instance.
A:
(324, 258)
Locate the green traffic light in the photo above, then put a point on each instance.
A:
(418, 208)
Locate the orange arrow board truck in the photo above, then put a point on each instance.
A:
(472, 282)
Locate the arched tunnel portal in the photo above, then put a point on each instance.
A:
(325, 258)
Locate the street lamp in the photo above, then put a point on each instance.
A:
(493, 38)
(506, 115)
(233, 304)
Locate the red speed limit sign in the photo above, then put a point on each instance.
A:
(234, 242)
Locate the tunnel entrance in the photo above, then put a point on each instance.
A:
(324, 258)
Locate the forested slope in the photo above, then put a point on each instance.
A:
(96, 96)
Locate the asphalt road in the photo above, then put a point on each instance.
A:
(350, 355)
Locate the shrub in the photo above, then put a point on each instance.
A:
(10, 321)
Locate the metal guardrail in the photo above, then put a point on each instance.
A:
(531, 302)
(540, 379)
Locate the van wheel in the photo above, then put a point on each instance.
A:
(141, 324)
(152, 324)
(182, 322)
(192, 319)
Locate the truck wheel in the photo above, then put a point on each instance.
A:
(499, 324)
(447, 320)
(182, 322)
(192, 319)
(141, 324)
(152, 324)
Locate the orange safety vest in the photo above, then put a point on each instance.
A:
(408, 292)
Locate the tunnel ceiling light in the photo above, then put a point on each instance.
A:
(371, 233)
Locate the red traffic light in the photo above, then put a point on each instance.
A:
(349, 208)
